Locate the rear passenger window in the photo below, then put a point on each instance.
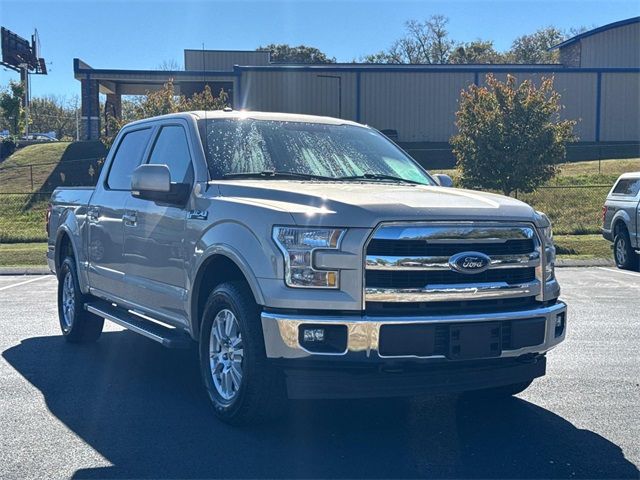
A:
(628, 187)
(127, 157)
(171, 149)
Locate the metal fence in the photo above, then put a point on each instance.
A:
(575, 209)
(40, 177)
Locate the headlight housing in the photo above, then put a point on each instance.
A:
(546, 233)
(297, 245)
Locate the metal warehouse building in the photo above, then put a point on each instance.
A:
(598, 77)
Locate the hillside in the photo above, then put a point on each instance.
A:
(43, 167)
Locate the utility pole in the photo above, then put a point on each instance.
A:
(24, 78)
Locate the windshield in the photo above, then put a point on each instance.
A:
(247, 146)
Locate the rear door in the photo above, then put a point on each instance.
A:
(154, 233)
(105, 214)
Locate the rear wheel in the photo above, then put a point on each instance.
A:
(77, 325)
(242, 386)
(623, 253)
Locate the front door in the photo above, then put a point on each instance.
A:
(154, 243)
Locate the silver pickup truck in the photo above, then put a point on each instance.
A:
(621, 220)
(306, 257)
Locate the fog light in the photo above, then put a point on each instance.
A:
(313, 335)
(318, 338)
(560, 321)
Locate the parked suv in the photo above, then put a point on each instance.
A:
(621, 220)
(307, 257)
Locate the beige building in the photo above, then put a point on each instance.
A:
(598, 78)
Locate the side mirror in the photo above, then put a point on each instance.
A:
(150, 178)
(443, 180)
(153, 182)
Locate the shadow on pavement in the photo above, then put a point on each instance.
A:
(142, 407)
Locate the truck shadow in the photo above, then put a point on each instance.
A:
(142, 408)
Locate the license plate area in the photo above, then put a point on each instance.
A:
(475, 340)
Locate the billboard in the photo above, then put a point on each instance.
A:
(18, 53)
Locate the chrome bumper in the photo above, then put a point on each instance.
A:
(281, 332)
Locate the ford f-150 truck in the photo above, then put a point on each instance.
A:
(307, 257)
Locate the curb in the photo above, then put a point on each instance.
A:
(25, 271)
(584, 262)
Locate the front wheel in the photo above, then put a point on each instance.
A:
(241, 385)
(77, 324)
(623, 253)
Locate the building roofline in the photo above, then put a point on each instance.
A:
(199, 50)
(78, 69)
(604, 28)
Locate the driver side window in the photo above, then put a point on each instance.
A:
(171, 149)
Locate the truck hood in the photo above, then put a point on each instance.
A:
(351, 204)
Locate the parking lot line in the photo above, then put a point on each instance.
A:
(23, 283)
(620, 271)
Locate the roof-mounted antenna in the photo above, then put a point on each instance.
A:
(204, 87)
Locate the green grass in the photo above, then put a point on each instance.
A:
(576, 208)
(16, 173)
(582, 246)
(23, 254)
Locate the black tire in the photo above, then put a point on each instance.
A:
(624, 255)
(260, 395)
(504, 391)
(77, 325)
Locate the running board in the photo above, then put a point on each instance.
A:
(168, 337)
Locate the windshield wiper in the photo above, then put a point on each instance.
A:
(277, 174)
(379, 176)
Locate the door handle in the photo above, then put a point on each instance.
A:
(130, 218)
(93, 213)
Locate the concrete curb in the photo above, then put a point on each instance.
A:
(35, 270)
(584, 262)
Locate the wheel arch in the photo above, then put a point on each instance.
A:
(219, 266)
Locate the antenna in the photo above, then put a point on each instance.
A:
(204, 86)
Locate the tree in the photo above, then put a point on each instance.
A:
(477, 51)
(510, 136)
(54, 114)
(169, 65)
(424, 42)
(12, 115)
(284, 53)
(534, 48)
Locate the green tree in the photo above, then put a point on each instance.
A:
(510, 137)
(534, 48)
(477, 51)
(54, 114)
(284, 53)
(12, 115)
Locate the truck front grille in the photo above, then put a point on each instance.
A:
(421, 248)
(415, 263)
(420, 278)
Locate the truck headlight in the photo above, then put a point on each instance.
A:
(546, 233)
(297, 245)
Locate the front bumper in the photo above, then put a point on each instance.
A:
(282, 333)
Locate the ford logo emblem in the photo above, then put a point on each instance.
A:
(469, 262)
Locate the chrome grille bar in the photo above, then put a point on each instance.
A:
(493, 238)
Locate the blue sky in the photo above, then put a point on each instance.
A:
(142, 34)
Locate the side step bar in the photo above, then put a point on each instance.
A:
(168, 337)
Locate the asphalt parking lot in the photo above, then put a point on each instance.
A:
(127, 407)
